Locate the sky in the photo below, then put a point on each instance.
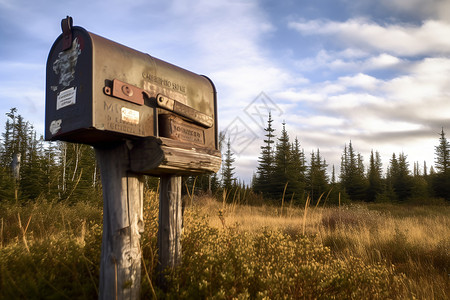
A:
(376, 73)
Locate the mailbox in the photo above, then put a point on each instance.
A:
(100, 92)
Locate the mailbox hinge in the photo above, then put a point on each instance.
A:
(66, 26)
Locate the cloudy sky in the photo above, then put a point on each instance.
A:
(376, 73)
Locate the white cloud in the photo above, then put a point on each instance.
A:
(350, 60)
(360, 80)
(382, 61)
(404, 40)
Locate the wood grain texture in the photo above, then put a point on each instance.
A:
(120, 269)
(170, 225)
(157, 156)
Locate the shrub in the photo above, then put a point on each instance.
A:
(231, 263)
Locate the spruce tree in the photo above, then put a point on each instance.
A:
(281, 175)
(228, 169)
(263, 182)
(441, 179)
(375, 179)
(317, 178)
(296, 172)
(442, 151)
(352, 174)
(399, 177)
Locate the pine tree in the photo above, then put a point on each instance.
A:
(296, 172)
(333, 176)
(441, 179)
(228, 169)
(281, 175)
(316, 178)
(352, 174)
(442, 151)
(400, 178)
(263, 182)
(375, 179)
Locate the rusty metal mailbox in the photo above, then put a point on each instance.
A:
(100, 92)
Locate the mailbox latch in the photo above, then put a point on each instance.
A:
(185, 111)
(125, 91)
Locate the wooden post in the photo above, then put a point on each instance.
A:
(120, 268)
(170, 224)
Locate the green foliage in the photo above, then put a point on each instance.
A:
(30, 167)
(228, 169)
(375, 177)
(50, 250)
(399, 177)
(316, 177)
(352, 174)
(60, 258)
(281, 168)
(264, 173)
(441, 180)
(232, 263)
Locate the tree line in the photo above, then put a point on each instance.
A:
(31, 168)
(283, 172)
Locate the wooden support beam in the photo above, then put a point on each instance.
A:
(170, 225)
(120, 268)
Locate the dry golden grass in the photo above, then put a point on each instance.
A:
(51, 248)
(415, 239)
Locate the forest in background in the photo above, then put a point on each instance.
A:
(31, 167)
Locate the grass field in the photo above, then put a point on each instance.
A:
(378, 251)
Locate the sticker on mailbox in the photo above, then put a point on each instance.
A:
(130, 116)
(55, 126)
(66, 98)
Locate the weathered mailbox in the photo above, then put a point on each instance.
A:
(143, 116)
(101, 92)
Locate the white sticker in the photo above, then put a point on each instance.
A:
(130, 116)
(55, 126)
(66, 98)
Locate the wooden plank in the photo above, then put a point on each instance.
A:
(120, 268)
(157, 156)
(170, 225)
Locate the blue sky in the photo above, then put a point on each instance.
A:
(373, 72)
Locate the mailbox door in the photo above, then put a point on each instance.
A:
(69, 87)
(77, 107)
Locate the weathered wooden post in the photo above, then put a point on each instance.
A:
(123, 223)
(143, 116)
(170, 223)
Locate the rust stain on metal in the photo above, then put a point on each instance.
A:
(175, 128)
(125, 91)
(185, 111)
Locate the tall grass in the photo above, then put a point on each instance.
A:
(413, 239)
(379, 251)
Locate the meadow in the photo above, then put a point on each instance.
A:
(51, 250)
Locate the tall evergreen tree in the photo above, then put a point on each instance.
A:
(263, 182)
(352, 174)
(228, 169)
(296, 171)
(399, 177)
(442, 151)
(281, 175)
(316, 178)
(375, 179)
(441, 180)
